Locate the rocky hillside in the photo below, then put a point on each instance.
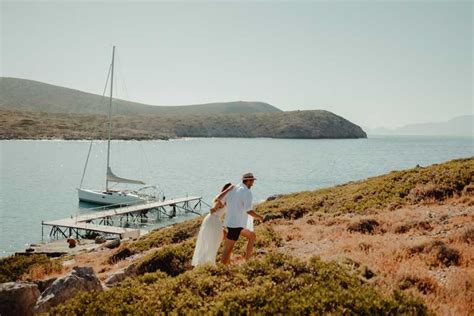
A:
(28, 95)
(397, 244)
(35, 110)
(297, 124)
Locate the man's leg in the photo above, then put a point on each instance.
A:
(251, 240)
(228, 246)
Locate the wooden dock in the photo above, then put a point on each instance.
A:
(101, 221)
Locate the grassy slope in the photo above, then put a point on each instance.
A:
(272, 282)
(390, 191)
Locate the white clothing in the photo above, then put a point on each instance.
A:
(209, 239)
(239, 202)
(250, 223)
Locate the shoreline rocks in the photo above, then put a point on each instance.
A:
(64, 288)
(18, 298)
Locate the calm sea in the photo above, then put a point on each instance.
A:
(39, 178)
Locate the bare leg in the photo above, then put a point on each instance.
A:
(251, 240)
(228, 246)
(224, 237)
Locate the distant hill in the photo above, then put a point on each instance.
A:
(296, 124)
(458, 126)
(28, 95)
(35, 110)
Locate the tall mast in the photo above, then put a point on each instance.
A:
(110, 119)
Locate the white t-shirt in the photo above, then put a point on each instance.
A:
(239, 202)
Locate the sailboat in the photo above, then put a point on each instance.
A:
(110, 196)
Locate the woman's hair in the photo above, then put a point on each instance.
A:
(226, 186)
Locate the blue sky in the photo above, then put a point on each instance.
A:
(377, 63)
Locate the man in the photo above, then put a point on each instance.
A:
(239, 206)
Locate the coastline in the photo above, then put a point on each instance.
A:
(291, 125)
(405, 231)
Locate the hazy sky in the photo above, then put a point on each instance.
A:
(375, 63)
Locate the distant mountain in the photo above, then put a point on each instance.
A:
(28, 95)
(458, 126)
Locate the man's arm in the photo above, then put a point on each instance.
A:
(255, 215)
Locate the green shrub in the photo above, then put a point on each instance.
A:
(393, 190)
(123, 252)
(172, 259)
(13, 267)
(364, 226)
(160, 237)
(276, 284)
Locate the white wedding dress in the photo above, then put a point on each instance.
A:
(209, 239)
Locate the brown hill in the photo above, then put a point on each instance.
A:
(28, 95)
(297, 124)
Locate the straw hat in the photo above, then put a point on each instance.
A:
(248, 176)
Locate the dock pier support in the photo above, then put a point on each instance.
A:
(85, 224)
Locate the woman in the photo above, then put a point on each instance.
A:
(211, 232)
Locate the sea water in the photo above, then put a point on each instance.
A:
(39, 178)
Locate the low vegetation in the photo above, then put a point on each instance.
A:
(394, 190)
(438, 253)
(157, 238)
(274, 284)
(366, 261)
(18, 267)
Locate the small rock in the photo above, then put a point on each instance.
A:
(100, 239)
(274, 197)
(115, 278)
(121, 275)
(131, 270)
(69, 263)
(18, 298)
(111, 244)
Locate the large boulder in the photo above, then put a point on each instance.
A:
(18, 298)
(64, 288)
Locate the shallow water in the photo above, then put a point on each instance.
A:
(39, 178)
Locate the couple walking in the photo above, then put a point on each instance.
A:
(235, 203)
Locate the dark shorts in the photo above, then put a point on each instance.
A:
(233, 233)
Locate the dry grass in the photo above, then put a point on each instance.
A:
(425, 250)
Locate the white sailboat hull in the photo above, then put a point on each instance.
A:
(108, 197)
